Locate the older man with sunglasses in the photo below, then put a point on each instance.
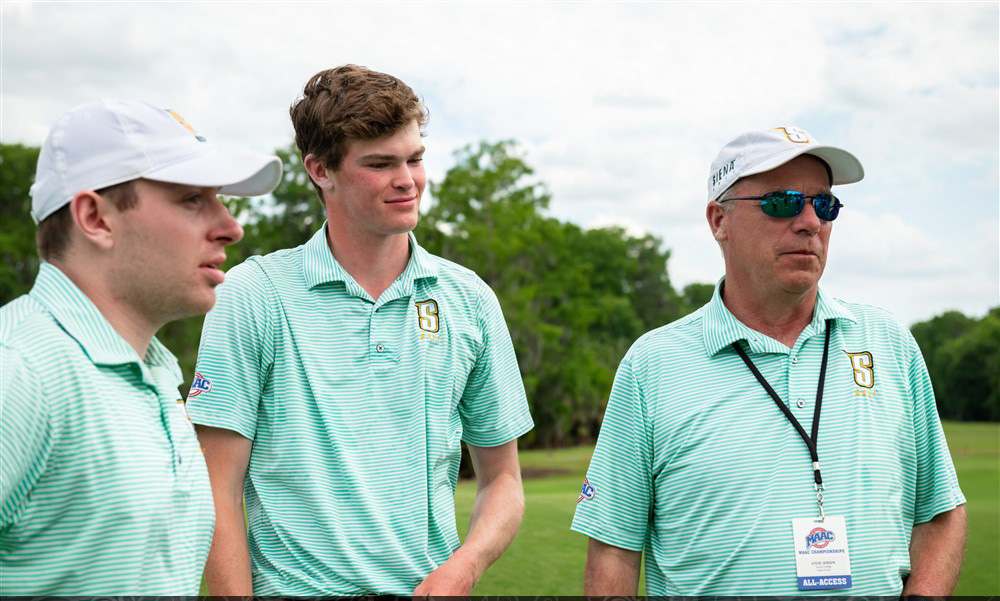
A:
(776, 441)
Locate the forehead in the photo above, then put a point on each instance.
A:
(804, 173)
(148, 186)
(402, 143)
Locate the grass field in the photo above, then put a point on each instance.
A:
(547, 558)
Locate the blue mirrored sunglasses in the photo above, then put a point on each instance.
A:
(789, 203)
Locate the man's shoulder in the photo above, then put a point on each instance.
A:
(874, 328)
(872, 319)
(459, 282)
(680, 337)
(30, 337)
(278, 261)
(866, 312)
(453, 273)
(23, 320)
(269, 269)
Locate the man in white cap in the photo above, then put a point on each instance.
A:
(104, 487)
(713, 458)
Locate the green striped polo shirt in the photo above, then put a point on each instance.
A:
(697, 466)
(103, 487)
(356, 409)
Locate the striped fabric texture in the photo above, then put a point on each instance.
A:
(696, 465)
(356, 409)
(103, 487)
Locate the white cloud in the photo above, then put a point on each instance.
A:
(620, 106)
(886, 261)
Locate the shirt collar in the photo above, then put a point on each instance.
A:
(85, 323)
(721, 329)
(320, 266)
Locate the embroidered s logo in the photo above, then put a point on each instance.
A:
(864, 368)
(427, 315)
(795, 135)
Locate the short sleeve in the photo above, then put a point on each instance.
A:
(493, 409)
(26, 442)
(937, 487)
(615, 500)
(236, 353)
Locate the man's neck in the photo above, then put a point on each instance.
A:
(373, 261)
(780, 315)
(131, 326)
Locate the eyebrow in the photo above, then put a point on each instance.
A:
(391, 157)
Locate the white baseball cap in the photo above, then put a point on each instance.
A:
(760, 151)
(107, 142)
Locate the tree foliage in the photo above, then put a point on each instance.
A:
(574, 299)
(963, 359)
(18, 258)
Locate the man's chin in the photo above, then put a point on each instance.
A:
(403, 228)
(194, 307)
(800, 285)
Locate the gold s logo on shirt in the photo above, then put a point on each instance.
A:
(864, 368)
(427, 315)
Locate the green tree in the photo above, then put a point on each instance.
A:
(18, 257)
(574, 299)
(696, 295)
(933, 336)
(969, 372)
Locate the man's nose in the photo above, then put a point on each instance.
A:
(403, 178)
(807, 221)
(228, 231)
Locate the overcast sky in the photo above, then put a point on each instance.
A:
(620, 107)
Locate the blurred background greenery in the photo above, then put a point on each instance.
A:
(574, 298)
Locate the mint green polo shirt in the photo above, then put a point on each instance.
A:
(356, 409)
(696, 465)
(103, 487)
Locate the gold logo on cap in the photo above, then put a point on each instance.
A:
(186, 125)
(795, 135)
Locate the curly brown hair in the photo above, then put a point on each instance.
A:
(349, 103)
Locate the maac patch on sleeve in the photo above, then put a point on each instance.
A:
(201, 384)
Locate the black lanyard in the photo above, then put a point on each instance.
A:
(809, 440)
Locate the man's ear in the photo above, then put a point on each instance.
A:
(318, 173)
(90, 213)
(718, 220)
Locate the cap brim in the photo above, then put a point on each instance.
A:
(235, 174)
(844, 166)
